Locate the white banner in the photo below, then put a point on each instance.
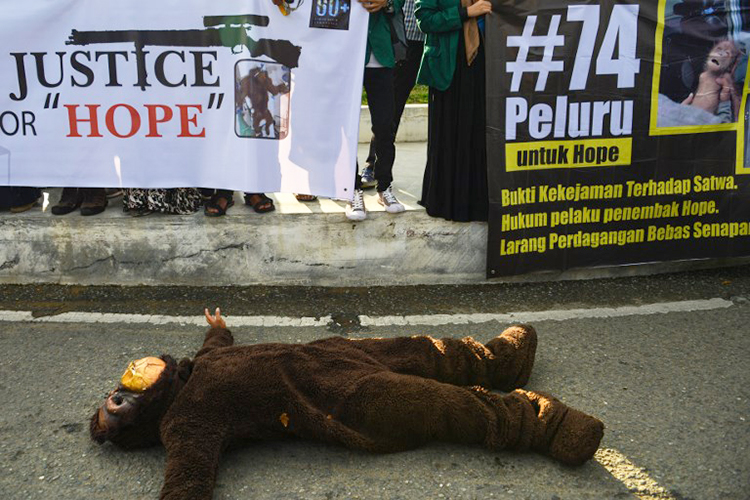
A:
(188, 93)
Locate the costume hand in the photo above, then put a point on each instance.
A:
(373, 5)
(479, 8)
(215, 321)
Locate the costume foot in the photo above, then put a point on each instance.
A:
(515, 349)
(569, 435)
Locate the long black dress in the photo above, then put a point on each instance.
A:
(455, 179)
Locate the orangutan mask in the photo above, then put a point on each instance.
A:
(142, 374)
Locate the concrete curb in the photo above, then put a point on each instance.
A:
(318, 249)
(241, 249)
(412, 128)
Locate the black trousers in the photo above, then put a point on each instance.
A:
(17, 196)
(404, 78)
(378, 84)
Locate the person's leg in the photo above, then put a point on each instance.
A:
(400, 412)
(94, 201)
(357, 180)
(70, 200)
(368, 174)
(378, 84)
(404, 78)
(22, 198)
(135, 201)
(221, 200)
(260, 202)
(379, 88)
(355, 209)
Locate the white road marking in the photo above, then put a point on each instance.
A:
(635, 478)
(559, 315)
(374, 321)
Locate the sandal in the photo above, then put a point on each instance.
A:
(214, 209)
(260, 202)
(305, 197)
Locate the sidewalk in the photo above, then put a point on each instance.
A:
(299, 243)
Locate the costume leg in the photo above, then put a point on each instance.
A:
(504, 363)
(399, 412)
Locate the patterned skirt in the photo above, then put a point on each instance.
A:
(168, 201)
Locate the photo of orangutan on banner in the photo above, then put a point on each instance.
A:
(704, 55)
(261, 99)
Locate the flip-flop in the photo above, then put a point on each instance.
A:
(260, 200)
(213, 203)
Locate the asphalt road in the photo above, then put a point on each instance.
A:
(673, 389)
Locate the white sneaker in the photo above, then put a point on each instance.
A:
(389, 201)
(355, 209)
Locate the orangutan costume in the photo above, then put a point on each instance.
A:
(379, 395)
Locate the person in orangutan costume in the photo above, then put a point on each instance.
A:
(379, 395)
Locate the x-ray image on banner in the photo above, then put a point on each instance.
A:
(238, 94)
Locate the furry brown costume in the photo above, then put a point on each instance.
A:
(380, 395)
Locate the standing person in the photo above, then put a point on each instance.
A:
(455, 178)
(378, 83)
(404, 78)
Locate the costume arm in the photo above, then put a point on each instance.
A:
(432, 18)
(192, 459)
(218, 335)
(215, 337)
(504, 363)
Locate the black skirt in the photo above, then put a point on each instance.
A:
(455, 179)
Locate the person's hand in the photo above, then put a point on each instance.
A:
(215, 321)
(729, 93)
(373, 5)
(689, 99)
(479, 8)
(726, 82)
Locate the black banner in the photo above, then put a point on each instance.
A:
(616, 133)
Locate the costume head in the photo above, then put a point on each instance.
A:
(131, 414)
